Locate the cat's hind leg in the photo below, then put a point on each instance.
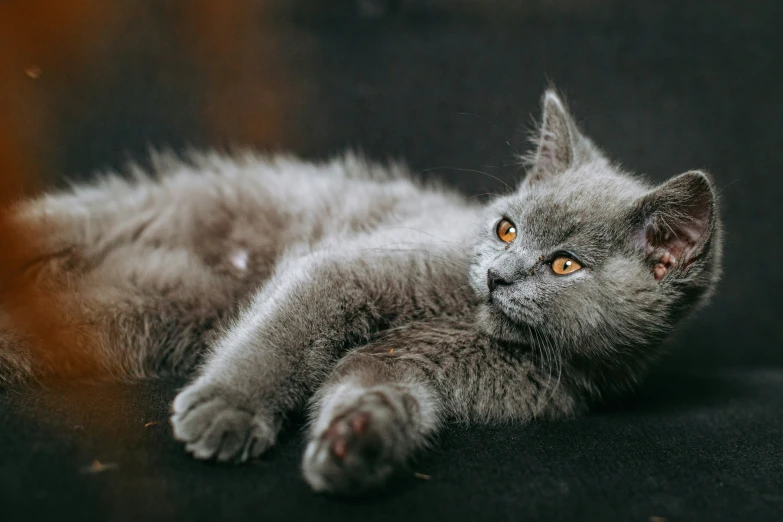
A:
(125, 339)
(111, 280)
(140, 314)
(15, 363)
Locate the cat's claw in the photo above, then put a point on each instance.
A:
(217, 423)
(356, 452)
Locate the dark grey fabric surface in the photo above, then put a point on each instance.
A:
(663, 87)
(688, 447)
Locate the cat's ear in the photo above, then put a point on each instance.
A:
(558, 141)
(675, 222)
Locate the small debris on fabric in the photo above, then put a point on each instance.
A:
(33, 72)
(151, 423)
(422, 476)
(98, 467)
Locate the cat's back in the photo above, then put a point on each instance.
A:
(209, 206)
(299, 201)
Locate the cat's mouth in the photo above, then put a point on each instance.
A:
(503, 305)
(518, 311)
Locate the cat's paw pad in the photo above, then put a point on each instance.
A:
(359, 450)
(216, 423)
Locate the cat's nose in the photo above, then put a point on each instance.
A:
(494, 280)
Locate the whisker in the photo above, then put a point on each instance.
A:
(559, 375)
(544, 360)
(501, 169)
(513, 149)
(508, 142)
(470, 170)
(479, 117)
(425, 250)
(433, 257)
(456, 245)
(484, 194)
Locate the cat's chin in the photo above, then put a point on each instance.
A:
(498, 324)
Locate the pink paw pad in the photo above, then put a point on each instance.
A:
(343, 430)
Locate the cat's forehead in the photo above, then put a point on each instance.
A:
(577, 202)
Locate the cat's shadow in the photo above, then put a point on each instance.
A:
(676, 392)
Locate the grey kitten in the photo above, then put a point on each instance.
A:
(387, 306)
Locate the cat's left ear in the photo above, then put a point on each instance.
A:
(559, 144)
(675, 222)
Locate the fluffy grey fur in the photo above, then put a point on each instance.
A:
(387, 306)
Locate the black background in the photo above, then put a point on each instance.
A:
(662, 87)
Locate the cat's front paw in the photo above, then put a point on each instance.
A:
(359, 450)
(216, 422)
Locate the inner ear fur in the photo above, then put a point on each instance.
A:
(675, 221)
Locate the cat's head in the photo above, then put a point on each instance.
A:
(588, 261)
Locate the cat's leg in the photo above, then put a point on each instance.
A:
(386, 400)
(370, 416)
(121, 336)
(281, 348)
(16, 365)
(138, 311)
(121, 279)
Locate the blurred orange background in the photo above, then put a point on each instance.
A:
(49, 50)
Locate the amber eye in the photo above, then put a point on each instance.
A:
(506, 230)
(565, 265)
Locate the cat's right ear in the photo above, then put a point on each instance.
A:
(559, 143)
(676, 222)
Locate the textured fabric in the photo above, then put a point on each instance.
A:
(661, 86)
(687, 447)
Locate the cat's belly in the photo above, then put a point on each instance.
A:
(222, 228)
